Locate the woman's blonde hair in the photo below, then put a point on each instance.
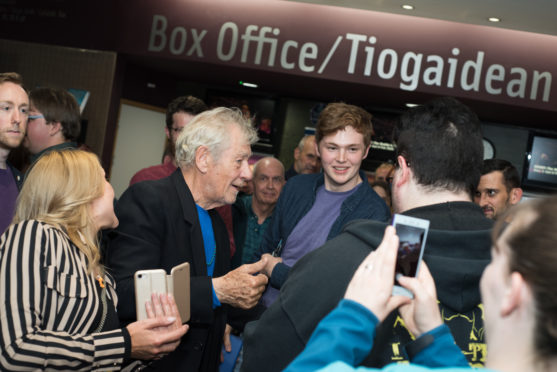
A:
(58, 190)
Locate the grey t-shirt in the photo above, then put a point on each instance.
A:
(311, 231)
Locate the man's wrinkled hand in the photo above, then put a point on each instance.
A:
(243, 286)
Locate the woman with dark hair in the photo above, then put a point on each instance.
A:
(518, 292)
(57, 304)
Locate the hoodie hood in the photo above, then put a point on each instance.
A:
(456, 258)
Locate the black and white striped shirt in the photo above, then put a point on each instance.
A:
(49, 303)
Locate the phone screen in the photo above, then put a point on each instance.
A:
(409, 249)
(412, 234)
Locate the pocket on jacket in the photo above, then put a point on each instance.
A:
(65, 284)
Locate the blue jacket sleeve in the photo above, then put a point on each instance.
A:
(279, 275)
(346, 335)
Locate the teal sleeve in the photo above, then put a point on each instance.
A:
(345, 334)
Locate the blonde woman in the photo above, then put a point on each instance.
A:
(57, 304)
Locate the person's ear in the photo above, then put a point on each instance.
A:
(296, 153)
(514, 295)
(54, 128)
(202, 159)
(317, 150)
(167, 132)
(367, 151)
(404, 171)
(516, 195)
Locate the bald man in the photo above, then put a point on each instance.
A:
(306, 159)
(252, 214)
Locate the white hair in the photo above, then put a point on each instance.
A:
(211, 129)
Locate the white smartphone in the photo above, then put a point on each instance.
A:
(147, 282)
(412, 234)
(179, 286)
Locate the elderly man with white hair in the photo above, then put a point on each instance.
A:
(169, 221)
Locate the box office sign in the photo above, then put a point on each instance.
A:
(395, 51)
(411, 70)
(319, 41)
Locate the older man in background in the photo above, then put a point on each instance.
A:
(252, 214)
(306, 159)
(169, 221)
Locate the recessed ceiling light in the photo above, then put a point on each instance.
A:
(248, 85)
(412, 104)
(408, 7)
(494, 19)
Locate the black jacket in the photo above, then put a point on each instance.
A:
(17, 176)
(457, 251)
(159, 228)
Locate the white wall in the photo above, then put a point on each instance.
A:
(139, 143)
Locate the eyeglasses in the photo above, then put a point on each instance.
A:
(33, 117)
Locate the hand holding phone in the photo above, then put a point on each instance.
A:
(372, 283)
(412, 234)
(146, 283)
(157, 281)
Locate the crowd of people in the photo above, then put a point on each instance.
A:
(299, 264)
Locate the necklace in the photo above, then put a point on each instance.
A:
(213, 258)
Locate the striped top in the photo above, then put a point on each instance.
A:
(49, 303)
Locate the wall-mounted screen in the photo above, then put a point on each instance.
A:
(260, 109)
(540, 165)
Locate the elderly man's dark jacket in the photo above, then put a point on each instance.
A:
(159, 228)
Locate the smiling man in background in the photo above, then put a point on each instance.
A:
(252, 214)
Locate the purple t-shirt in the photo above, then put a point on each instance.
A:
(311, 231)
(8, 196)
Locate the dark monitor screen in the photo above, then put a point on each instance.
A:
(540, 168)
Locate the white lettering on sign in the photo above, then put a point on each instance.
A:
(261, 45)
(415, 68)
(178, 38)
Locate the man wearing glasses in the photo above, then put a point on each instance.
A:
(178, 114)
(54, 121)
